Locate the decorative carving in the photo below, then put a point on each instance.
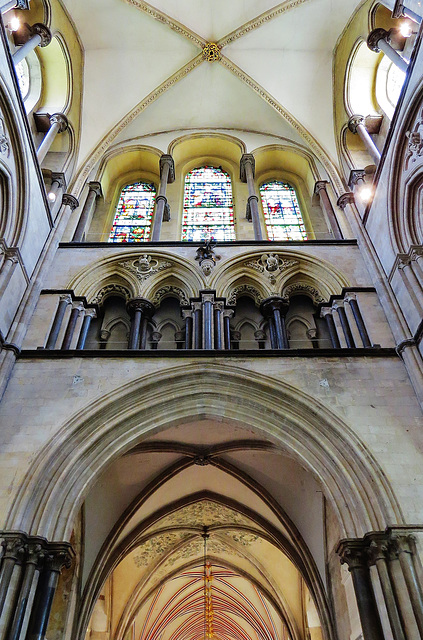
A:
(344, 199)
(109, 289)
(246, 158)
(245, 288)
(169, 289)
(300, 287)
(69, 201)
(374, 37)
(270, 262)
(4, 141)
(202, 460)
(354, 121)
(207, 257)
(61, 120)
(145, 266)
(415, 143)
(167, 159)
(211, 52)
(157, 546)
(44, 32)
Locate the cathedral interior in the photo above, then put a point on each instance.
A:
(211, 320)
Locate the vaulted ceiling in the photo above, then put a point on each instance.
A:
(145, 75)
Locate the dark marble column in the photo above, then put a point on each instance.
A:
(58, 556)
(167, 176)
(218, 324)
(94, 191)
(13, 544)
(35, 554)
(64, 301)
(89, 315)
(197, 325)
(187, 314)
(140, 311)
(351, 299)
(338, 306)
(320, 189)
(247, 170)
(275, 308)
(207, 301)
(354, 554)
(227, 315)
(403, 546)
(77, 309)
(378, 555)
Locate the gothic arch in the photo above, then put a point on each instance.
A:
(69, 464)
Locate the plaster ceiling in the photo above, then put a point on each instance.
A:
(275, 76)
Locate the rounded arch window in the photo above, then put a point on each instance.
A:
(389, 82)
(134, 212)
(208, 205)
(22, 74)
(282, 212)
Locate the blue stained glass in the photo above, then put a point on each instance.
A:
(132, 221)
(208, 206)
(282, 211)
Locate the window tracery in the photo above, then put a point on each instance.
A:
(134, 212)
(282, 211)
(208, 205)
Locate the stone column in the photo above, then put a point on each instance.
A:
(402, 544)
(138, 308)
(94, 190)
(197, 325)
(351, 299)
(58, 556)
(320, 189)
(167, 176)
(207, 300)
(58, 184)
(218, 323)
(401, 596)
(379, 40)
(326, 313)
(378, 555)
(64, 301)
(338, 306)
(6, 5)
(187, 315)
(276, 309)
(247, 171)
(356, 125)
(77, 308)
(411, 282)
(8, 267)
(400, 11)
(354, 554)
(58, 124)
(35, 554)
(227, 315)
(89, 315)
(40, 36)
(13, 544)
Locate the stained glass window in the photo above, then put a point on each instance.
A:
(132, 221)
(208, 207)
(22, 72)
(282, 211)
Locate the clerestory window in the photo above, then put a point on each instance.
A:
(134, 212)
(208, 205)
(282, 211)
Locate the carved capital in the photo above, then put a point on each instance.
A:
(70, 201)
(156, 336)
(61, 120)
(78, 305)
(246, 159)
(402, 543)
(272, 304)
(22, 4)
(13, 543)
(96, 187)
(259, 335)
(140, 304)
(320, 186)
(350, 296)
(207, 297)
(311, 334)
(374, 37)
(356, 176)
(59, 179)
(44, 32)
(325, 311)
(354, 121)
(346, 198)
(337, 304)
(59, 555)
(92, 313)
(378, 548)
(353, 552)
(167, 160)
(66, 297)
(35, 551)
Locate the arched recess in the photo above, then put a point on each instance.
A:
(68, 466)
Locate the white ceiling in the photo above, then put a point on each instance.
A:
(136, 47)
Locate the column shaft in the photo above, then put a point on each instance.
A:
(84, 330)
(393, 55)
(390, 601)
(253, 202)
(7, 271)
(272, 332)
(408, 13)
(167, 174)
(188, 332)
(134, 335)
(7, 6)
(197, 328)
(360, 322)
(368, 142)
(328, 209)
(345, 327)
(67, 340)
(25, 49)
(227, 331)
(333, 334)
(87, 212)
(21, 606)
(57, 322)
(48, 141)
(281, 335)
(43, 601)
(219, 341)
(413, 587)
(207, 324)
(143, 332)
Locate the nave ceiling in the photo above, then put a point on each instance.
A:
(274, 77)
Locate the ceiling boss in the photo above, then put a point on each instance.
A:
(211, 52)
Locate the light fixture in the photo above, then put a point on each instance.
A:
(51, 196)
(365, 192)
(14, 24)
(406, 29)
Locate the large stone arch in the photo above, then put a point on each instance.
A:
(62, 474)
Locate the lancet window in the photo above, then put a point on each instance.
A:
(282, 212)
(134, 212)
(208, 205)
